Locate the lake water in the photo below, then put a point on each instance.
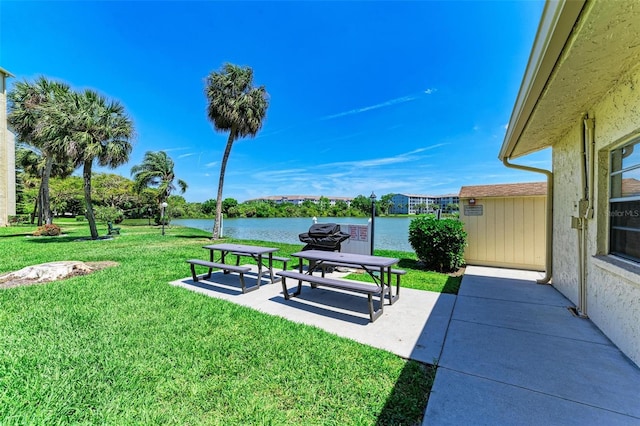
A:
(390, 233)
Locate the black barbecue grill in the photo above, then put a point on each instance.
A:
(323, 236)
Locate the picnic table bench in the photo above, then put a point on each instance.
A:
(225, 267)
(365, 288)
(317, 258)
(369, 269)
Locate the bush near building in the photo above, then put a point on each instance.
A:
(439, 244)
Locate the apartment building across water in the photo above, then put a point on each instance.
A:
(418, 204)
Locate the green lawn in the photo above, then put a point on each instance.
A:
(121, 346)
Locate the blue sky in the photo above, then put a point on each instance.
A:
(410, 97)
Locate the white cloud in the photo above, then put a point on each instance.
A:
(395, 101)
(173, 149)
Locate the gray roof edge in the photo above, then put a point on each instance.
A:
(6, 73)
(556, 25)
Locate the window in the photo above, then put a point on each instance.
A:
(624, 205)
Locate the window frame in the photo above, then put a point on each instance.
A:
(617, 197)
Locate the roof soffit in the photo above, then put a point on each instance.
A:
(603, 47)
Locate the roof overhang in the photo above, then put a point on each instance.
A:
(5, 73)
(581, 50)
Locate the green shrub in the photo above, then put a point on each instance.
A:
(439, 244)
(109, 214)
(18, 219)
(80, 218)
(47, 231)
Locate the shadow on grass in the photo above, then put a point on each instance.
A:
(408, 401)
(25, 234)
(408, 263)
(65, 239)
(452, 286)
(194, 237)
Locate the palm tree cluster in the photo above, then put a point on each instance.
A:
(65, 130)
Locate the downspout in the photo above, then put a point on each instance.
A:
(585, 208)
(549, 224)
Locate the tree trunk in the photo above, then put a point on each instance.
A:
(36, 210)
(86, 175)
(39, 204)
(46, 202)
(223, 166)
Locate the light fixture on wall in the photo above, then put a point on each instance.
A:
(472, 201)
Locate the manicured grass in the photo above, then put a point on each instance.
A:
(121, 346)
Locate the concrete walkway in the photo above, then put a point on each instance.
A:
(515, 355)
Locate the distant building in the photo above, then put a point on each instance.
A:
(417, 204)
(299, 199)
(7, 157)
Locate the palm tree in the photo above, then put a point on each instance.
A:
(101, 131)
(33, 111)
(234, 105)
(156, 171)
(30, 167)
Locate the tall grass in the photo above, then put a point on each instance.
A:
(121, 346)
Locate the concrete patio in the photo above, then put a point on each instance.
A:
(509, 351)
(414, 327)
(515, 355)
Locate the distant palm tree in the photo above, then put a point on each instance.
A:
(101, 131)
(156, 171)
(234, 105)
(32, 115)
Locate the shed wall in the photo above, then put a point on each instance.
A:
(510, 233)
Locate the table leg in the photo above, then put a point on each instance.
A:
(301, 270)
(223, 255)
(210, 260)
(273, 280)
(392, 297)
(259, 262)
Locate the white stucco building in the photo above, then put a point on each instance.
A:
(581, 96)
(7, 157)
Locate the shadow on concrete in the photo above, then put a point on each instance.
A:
(220, 282)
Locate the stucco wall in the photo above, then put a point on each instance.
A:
(613, 286)
(566, 191)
